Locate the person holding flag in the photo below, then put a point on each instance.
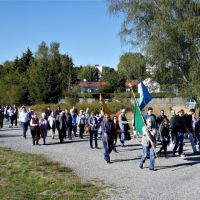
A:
(148, 144)
(145, 130)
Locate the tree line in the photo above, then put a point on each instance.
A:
(47, 75)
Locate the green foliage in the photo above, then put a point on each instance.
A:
(89, 73)
(168, 34)
(106, 89)
(114, 78)
(72, 98)
(42, 78)
(132, 66)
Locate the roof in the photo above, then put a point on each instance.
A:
(93, 84)
(131, 83)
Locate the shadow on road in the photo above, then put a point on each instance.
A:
(195, 161)
(69, 141)
(125, 160)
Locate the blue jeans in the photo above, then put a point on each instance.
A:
(122, 138)
(108, 148)
(179, 143)
(25, 128)
(144, 156)
(191, 138)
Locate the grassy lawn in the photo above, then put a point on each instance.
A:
(28, 176)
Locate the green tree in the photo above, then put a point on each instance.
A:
(50, 74)
(89, 73)
(168, 33)
(132, 66)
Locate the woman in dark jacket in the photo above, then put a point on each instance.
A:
(35, 130)
(164, 136)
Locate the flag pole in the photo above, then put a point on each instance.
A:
(154, 148)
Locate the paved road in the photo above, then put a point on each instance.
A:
(174, 178)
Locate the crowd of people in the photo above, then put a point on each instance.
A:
(71, 123)
(169, 131)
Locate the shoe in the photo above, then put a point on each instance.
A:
(108, 162)
(182, 155)
(151, 169)
(141, 166)
(92, 147)
(96, 147)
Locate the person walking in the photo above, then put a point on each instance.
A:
(74, 122)
(148, 145)
(16, 114)
(52, 124)
(178, 126)
(190, 124)
(11, 115)
(93, 123)
(81, 123)
(24, 119)
(108, 131)
(35, 129)
(68, 118)
(61, 126)
(123, 124)
(43, 127)
(116, 132)
(164, 136)
(1, 116)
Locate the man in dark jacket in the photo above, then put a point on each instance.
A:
(108, 131)
(69, 124)
(179, 128)
(189, 125)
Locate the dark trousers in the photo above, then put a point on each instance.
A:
(35, 136)
(1, 123)
(69, 132)
(15, 119)
(62, 134)
(179, 143)
(108, 147)
(81, 130)
(74, 129)
(93, 134)
(163, 147)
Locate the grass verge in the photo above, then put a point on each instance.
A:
(28, 176)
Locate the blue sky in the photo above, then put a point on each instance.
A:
(84, 29)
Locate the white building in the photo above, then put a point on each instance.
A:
(153, 87)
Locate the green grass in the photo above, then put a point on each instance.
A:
(28, 176)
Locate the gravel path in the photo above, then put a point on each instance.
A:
(174, 178)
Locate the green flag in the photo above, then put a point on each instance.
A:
(138, 121)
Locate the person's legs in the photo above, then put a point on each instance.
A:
(122, 138)
(176, 144)
(33, 133)
(91, 139)
(191, 138)
(81, 130)
(95, 138)
(69, 133)
(165, 147)
(152, 159)
(144, 156)
(180, 139)
(106, 154)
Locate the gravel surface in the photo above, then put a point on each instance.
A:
(174, 178)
